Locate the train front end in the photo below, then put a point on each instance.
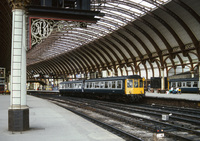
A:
(134, 88)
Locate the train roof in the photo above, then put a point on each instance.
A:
(184, 79)
(115, 78)
(105, 79)
(78, 81)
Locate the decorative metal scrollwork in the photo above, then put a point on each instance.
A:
(42, 28)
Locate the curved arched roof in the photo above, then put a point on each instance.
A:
(132, 33)
(141, 34)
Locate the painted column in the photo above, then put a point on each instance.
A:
(199, 77)
(162, 79)
(18, 111)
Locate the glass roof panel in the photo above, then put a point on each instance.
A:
(118, 13)
(144, 3)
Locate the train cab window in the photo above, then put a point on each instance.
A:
(119, 84)
(188, 84)
(195, 84)
(179, 84)
(106, 84)
(129, 83)
(135, 83)
(141, 83)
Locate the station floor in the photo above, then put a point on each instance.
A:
(49, 122)
(183, 96)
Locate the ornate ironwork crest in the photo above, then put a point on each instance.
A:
(42, 28)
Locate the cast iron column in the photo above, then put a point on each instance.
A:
(162, 80)
(18, 112)
(199, 78)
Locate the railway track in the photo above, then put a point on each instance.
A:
(135, 122)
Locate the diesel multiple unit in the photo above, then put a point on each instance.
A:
(131, 87)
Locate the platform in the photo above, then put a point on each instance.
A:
(49, 122)
(182, 96)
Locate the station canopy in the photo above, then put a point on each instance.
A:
(118, 13)
(138, 36)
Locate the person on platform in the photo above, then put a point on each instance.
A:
(171, 90)
(149, 88)
(177, 90)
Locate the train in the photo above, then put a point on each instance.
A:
(129, 88)
(182, 81)
(187, 85)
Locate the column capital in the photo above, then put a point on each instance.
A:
(18, 4)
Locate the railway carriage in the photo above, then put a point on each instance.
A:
(131, 87)
(187, 85)
(71, 87)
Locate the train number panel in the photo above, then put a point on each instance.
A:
(131, 87)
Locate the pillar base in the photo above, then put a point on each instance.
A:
(18, 119)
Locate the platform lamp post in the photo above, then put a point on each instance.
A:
(18, 112)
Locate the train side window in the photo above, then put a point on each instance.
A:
(96, 84)
(183, 84)
(188, 84)
(93, 84)
(106, 84)
(195, 84)
(119, 84)
(113, 85)
(109, 84)
(102, 84)
(130, 83)
(174, 84)
(90, 85)
(179, 84)
(79, 86)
